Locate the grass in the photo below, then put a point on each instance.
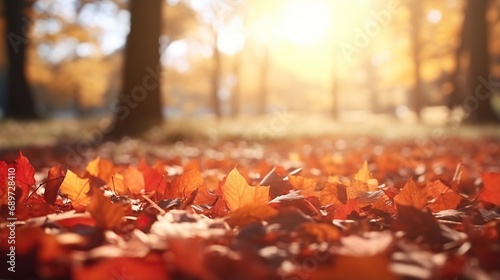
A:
(253, 128)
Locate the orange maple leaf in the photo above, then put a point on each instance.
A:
(445, 197)
(76, 189)
(361, 182)
(129, 181)
(101, 168)
(306, 186)
(153, 179)
(238, 193)
(185, 184)
(412, 195)
(491, 191)
(108, 215)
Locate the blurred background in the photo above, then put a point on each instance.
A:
(409, 59)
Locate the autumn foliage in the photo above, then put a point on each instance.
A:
(207, 219)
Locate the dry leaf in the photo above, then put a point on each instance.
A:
(76, 189)
(54, 180)
(108, 215)
(237, 193)
(491, 191)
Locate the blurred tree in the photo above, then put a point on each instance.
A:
(20, 103)
(416, 17)
(236, 93)
(139, 106)
(474, 46)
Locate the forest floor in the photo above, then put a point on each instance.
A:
(277, 197)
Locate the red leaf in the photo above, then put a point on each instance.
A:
(25, 174)
(491, 191)
(54, 181)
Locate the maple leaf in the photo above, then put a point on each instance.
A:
(445, 197)
(333, 193)
(128, 181)
(238, 193)
(25, 174)
(153, 179)
(491, 190)
(185, 184)
(412, 195)
(344, 211)
(361, 182)
(250, 213)
(108, 215)
(76, 189)
(306, 186)
(54, 180)
(101, 168)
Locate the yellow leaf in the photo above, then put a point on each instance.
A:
(306, 186)
(237, 193)
(108, 215)
(76, 189)
(101, 168)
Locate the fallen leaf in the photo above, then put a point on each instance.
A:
(101, 168)
(153, 180)
(445, 197)
(250, 213)
(306, 186)
(76, 189)
(412, 195)
(25, 175)
(333, 193)
(108, 215)
(344, 211)
(237, 193)
(185, 184)
(361, 183)
(317, 232)
(54, 180)
(491, 190)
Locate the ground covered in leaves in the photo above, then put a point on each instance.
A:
(311, 208)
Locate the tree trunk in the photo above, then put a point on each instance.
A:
(416, 99)
(474, 94)
(236, 93)
(139, 107)
(215, 79)
(264, 81)
(20, 103)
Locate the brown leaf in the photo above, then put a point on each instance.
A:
(54, 180)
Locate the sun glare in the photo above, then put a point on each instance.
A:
(304, 22)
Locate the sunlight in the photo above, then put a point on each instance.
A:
(304, 22)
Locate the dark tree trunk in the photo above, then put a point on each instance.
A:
(20, 103)
(475, 96)
(416, 99)
(139, 107)
(215, 79)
